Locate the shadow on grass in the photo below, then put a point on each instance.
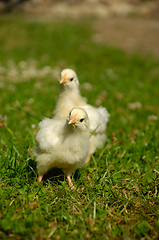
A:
(55, 175)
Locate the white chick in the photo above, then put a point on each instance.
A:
(63, 144)
(69, 97)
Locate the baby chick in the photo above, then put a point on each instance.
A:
(63, 144)
(69, 97)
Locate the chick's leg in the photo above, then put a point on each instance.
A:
(70, 182)
(88, 158)
(67, 174)
(40, 177)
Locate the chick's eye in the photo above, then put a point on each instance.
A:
(82, 119)
(71, 79)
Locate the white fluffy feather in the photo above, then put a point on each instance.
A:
(62, 144)
(69, 97)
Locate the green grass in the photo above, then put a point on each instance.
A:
(120, 197)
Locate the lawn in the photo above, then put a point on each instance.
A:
(120, 193)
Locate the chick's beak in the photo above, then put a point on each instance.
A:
(73, 120)
(63, 79)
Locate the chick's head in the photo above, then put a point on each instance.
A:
(68, 79)
(78, 118)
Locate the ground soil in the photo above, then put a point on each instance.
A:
(131, 33)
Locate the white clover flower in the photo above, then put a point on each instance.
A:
(13, 75)
(152, 118)
(23, 65)
(134, 106)
(87, 86)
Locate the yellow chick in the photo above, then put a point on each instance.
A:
(62, 144)
(69, 97)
